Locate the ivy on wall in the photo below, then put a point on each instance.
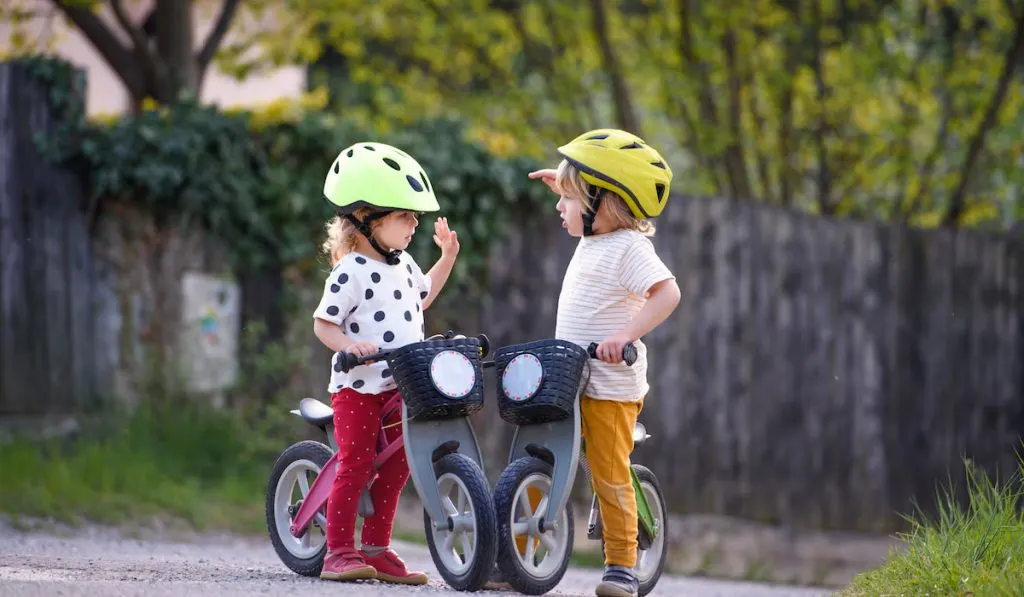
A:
(254, 178)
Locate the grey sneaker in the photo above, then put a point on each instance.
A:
(618, 581)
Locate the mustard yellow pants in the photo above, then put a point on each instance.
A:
(608, 436)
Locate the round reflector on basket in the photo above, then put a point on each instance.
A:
(522, 377)
(452, 374)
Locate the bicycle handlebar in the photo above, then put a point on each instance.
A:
(629, 354)
(349, 360)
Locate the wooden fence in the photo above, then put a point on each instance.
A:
(46, 319)
(818, 372)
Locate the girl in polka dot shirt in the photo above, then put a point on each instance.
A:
(374, 298)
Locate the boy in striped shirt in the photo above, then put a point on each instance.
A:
(616, 290)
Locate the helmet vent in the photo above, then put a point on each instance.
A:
(370, 147)
(633, 145)
(415, 184)
(392, 163)
(596, 137)
(425, 183)
(349, 153)
(659, 164)
(660, 189)
(336, 167)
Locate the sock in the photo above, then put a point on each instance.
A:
(373, 550)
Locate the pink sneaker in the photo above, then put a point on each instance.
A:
(347, 564)
(391, 568)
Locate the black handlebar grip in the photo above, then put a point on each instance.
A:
(629, 354)
(347, 360)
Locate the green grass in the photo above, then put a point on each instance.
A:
(203, 467)
(975, 550)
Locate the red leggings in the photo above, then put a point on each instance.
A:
(357, 421)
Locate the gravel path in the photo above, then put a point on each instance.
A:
(98, 562)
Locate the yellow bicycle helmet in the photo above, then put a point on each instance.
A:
(623, 163)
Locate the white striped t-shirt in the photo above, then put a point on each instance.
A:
(605, 286)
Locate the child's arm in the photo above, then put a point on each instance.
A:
(448, 240)
(643, 273)
(341, 295)
(331, 335)
(661, 302)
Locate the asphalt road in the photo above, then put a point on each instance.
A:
(97, 562)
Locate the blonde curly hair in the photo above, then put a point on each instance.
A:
(342, 236)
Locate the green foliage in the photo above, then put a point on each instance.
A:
(854, 107)
(65, 90)
(205, 467)
(977, 550)
(255, 178)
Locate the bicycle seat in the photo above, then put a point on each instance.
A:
(316, 412)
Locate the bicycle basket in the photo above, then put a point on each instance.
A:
(538, 381)
(439, 379)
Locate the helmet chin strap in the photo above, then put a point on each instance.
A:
(589, 216)
(390, 257)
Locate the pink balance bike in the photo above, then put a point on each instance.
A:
(440, 381)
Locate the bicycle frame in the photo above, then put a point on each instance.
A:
(643, 509)
(321, 488)
(645, 519)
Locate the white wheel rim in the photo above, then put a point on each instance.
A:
(455, 548)
(296, 476)
(647, 559)
(544, 551)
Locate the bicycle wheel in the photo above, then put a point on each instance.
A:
(294, 472)
(532, 558)
(464, 553)
(651, 551)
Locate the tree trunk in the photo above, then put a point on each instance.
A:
(174, 45)
(1014, 55)
(158, 60)
(624, 110)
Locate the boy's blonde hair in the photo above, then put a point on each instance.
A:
(572, 185)
(342, 236)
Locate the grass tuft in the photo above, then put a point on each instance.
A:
(975, 550)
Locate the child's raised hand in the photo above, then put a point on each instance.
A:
(548, 176)
(362, 348)
(446, 239)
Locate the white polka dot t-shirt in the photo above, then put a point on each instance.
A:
(375, 302)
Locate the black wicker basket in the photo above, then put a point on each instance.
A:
(550, 392)
(411, 367)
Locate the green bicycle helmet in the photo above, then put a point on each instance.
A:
(381, 177)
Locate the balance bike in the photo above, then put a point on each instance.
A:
(440, 382)
(539, 392)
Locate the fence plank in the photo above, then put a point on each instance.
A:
(16, 334)
(45, 271)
